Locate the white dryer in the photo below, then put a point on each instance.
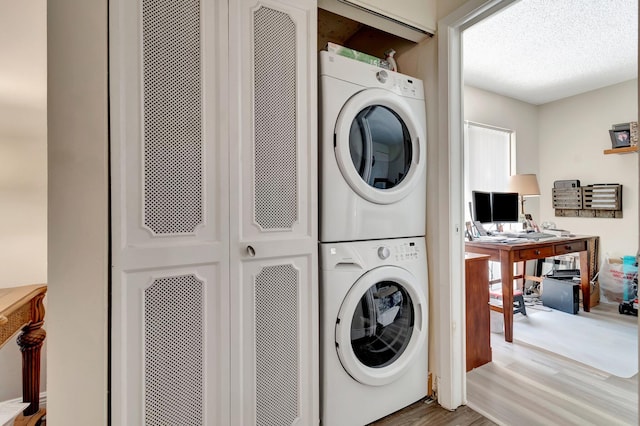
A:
(372, 152)
(373, 329)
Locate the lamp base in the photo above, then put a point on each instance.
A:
(522, 219)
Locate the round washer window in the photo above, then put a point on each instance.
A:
(382, 324)
(380, 147)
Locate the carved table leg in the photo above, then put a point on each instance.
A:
(30, 342)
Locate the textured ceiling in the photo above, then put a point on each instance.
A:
(539, 51)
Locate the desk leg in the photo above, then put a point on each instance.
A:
(585, 275)
(506, 271)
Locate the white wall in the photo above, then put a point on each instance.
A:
(78, 213)
(573, 134)
(23, 219)
(23, 165)
(23, 193)
(497, 110)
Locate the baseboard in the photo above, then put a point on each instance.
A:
(43, 400)
(7, 418)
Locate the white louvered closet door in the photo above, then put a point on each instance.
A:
(170, 213)
(214, 257)
(273, 212)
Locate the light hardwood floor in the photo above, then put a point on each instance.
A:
(526, 386)
(529, 386)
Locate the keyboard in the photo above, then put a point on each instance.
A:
(495, 238)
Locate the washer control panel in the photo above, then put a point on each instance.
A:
(359, 256)
(398, 252)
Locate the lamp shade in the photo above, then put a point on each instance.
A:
(525, 184)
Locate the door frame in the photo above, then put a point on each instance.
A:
(451, 381)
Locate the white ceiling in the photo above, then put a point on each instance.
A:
(539, 51)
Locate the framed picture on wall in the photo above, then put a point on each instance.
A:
(620, 138)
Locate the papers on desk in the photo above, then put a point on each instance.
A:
(558, 232)
(515, 240)
(511, 239)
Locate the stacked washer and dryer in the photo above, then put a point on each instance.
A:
(373, 264)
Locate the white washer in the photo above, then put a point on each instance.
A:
(373, 152)
(373, 328)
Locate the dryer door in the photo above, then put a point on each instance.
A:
(378, 148)
(381, 325)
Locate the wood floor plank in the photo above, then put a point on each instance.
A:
(534, 402)
(432, 414)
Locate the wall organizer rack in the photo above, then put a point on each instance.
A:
(600, 200)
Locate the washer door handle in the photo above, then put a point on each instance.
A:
(419, 316)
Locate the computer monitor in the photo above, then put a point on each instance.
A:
(481, 202)
(504, 207)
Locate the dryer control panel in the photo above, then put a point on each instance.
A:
(369, 76)
(400, 84)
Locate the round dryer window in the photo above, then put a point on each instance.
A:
(378, 146)
(379, 327)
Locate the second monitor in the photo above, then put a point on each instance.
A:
(504, 207)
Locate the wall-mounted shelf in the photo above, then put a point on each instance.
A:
(603, 200)
(624, 150)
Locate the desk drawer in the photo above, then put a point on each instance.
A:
(570, 247)
(535, 253)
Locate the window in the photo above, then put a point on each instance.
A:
(489, 159)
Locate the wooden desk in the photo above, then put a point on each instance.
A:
(478, 338)
(509, 253)
(22, 308)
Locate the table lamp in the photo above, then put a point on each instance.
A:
(526, 185)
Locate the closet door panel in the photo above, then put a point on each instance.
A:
(273, 229)
(277, 345)
(169, 336)
(170, 238)
(274, 125)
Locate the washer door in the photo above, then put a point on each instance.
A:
(377, 146)
(379, 326)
